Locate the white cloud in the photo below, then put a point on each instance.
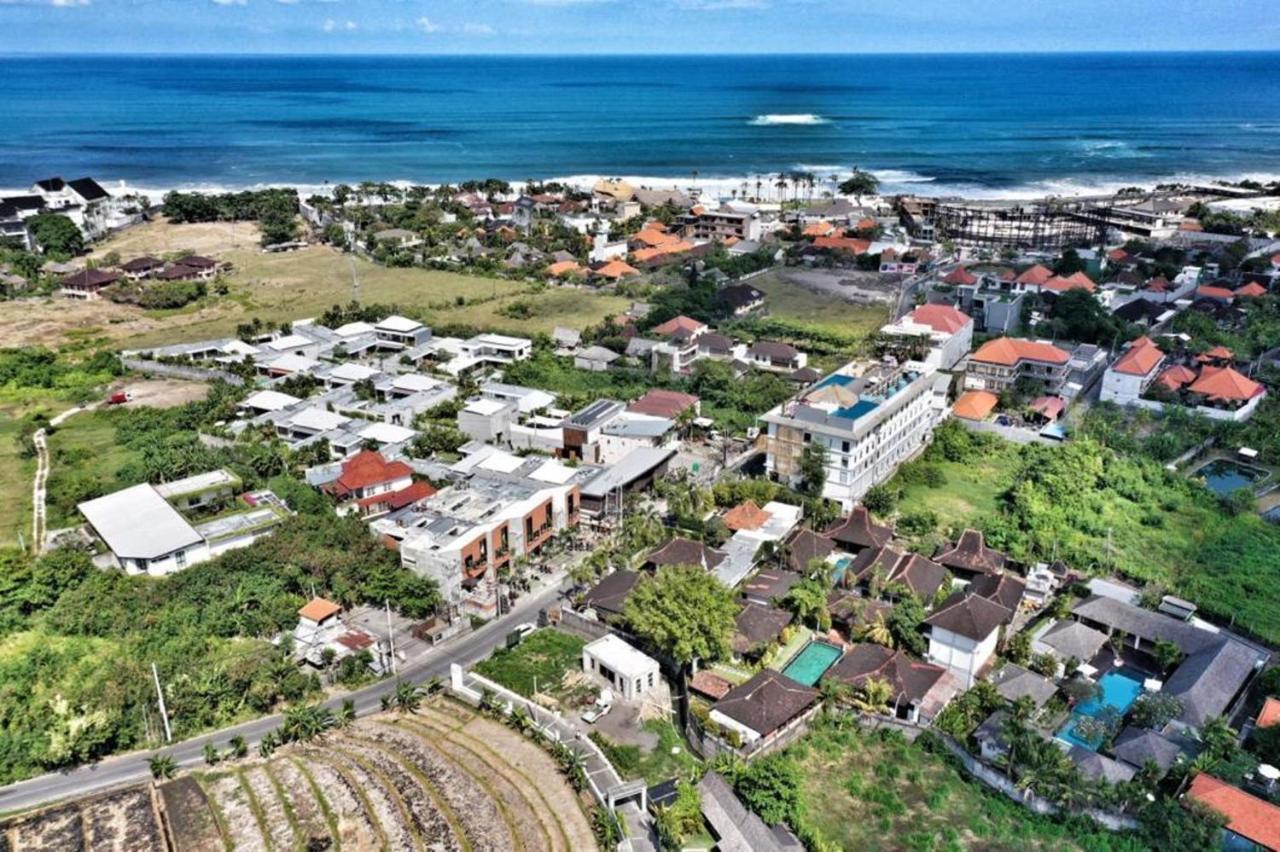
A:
(714, 5)
(69, 3)
(231, 2)
(427, 25)
(477, 29)
(332, 26)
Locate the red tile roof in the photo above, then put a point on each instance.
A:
(960, 275)
(941, 318)
(1075, 281)
(1217, 353)
(677, 325)
(1036, 275)
(1159, 284)
(975, 405)
(1176, 377)
(1270, 713)
(1049, 406)
(615, 269)
(710, 684)
(399, 499)
(1247, 816)
(819, 229)
(849, 244)
(1210, 292)
(746, 516)
(659, 402)
(367, 468)
(1140, 359)
(1008, 351)
(1226, 384)
(1252, 290)
(318, 609)
(653, 237)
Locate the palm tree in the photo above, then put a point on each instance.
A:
(1218, 737)
(874, 696)
(347, 714)
(211, 755)
(304, 722)
(781, 184)
(238, 746)
(162, 766)
(877, 631)
(407, 697)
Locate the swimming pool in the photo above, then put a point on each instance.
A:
(839, 569)
(1222, 476)
(1119, 688)
(812, 662)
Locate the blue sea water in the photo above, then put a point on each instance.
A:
(981, 124)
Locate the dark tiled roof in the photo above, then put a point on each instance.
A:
(142, 264)
(970, 553)
(715, 343)
(869, 562)
(805, 376)
(1099, 767)
(852, 611)
(1073, 639)
(971, 616)
(740, 295)
(766, 702)
(1143, 623)
(805, 546)
(1004, 589)
(88, 189)
(610, 594)
(1137, 747)
(90, 278)
(911, 679)
(736, 828)
(1209, 679)
(773, 350)
(1014, 682)
(684, 551)
(860, 530)
(922, 577)
(769, 584)
(758, 625)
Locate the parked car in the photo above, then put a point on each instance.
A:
(119, 398)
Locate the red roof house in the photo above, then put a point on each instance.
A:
(1248, 816)
(941, 318)
(960, 275)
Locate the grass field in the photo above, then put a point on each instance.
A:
(872, 792)
(789, 301)
(83, 454)
(15, 484)
(545, 656)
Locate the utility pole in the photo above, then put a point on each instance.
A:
(391, 636)
(164, 714)
(355, 281)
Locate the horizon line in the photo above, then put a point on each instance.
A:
(24, 54)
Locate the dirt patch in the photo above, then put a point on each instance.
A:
(160, 237)
(863, 288)
(191, 822)
(161, 393)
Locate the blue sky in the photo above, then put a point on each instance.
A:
(632, 26)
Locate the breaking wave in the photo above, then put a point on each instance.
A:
(795, 118)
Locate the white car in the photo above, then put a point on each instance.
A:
(596, 713)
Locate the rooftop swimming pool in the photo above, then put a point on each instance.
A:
(1222, 476)
(1119, 688)
(812, 662)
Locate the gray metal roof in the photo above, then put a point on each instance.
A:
(137, 523)
(1208, 680)
(633, 466)
(737, 829)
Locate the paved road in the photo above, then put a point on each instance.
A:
(133, 768)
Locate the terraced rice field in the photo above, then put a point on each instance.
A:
(442, 780)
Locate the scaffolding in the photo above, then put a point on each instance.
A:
(1032, 227)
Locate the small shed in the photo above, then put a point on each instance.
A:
(628, 672)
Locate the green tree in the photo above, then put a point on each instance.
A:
(407, 696)
(904, 623)
(859, 183)
(162, 766)
(770, 786)
(684, 612)
(1154, 710)
(808, 600)
(56, 235)
(881, 499)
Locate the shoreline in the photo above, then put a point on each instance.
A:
(892, 182)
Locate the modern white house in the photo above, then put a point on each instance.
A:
(949, 333)
(1128, 378)
(144, 532)
(628, 672)
(867, 417)
(964, 633)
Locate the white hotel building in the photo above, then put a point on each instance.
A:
(869, 417)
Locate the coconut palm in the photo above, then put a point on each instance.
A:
(874, 696)
(304, 722)
(162, 766)
(346, 714)
(877, 631)
(407, 697)
(211, 755)
(238, 746)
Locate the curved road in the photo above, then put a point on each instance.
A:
(39, 488)
(133, 768)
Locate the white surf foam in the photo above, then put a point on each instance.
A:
(781, 118)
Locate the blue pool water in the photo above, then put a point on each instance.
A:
(812, 662)
(839, 569)
(1223, 476)
(1119, 689)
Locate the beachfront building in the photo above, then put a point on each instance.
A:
(161, 529)
(1000, 363)
(866, 417)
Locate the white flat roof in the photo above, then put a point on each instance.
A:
(415, 382)
(386, 433)
(137, 523)
(502, 462)
(353, 372)
(197, 483)
(397, 323)
(500, 340)
(289, 341)
(239, 347)
(352, 329)
(317, 419)
(293, 364)
(553, 472)
(269, 400)
(485, 407)
(620, 657)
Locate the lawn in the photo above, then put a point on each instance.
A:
(790, 302)
(543, 311)
(15, 483)
(544, 657)
(654, 766)
(873, 791)
(85, 461)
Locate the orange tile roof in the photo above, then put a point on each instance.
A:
(865, 225)
(1159, 284)
(819, 229)
(1270, 713)
(365, 468)
(943, 318)
(563, 268)
(318, 609)
(849, 244)
(645, 255)
(1049, 406)
(1036, 275)
(1008, 351)
(1210, 292)
(655, 225)
(1217, 353)
(1247, 816)
(1118, 254)
(1140, 359)
(1176, 377)
(616, 269)
(975, 405)
(746, 516)
(1191, 225)
(678, 324)
(960, 275)
(651, 237)
(1225, 383)
(1074, 281)
(1252, 290)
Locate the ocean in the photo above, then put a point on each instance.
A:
(982, 125)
